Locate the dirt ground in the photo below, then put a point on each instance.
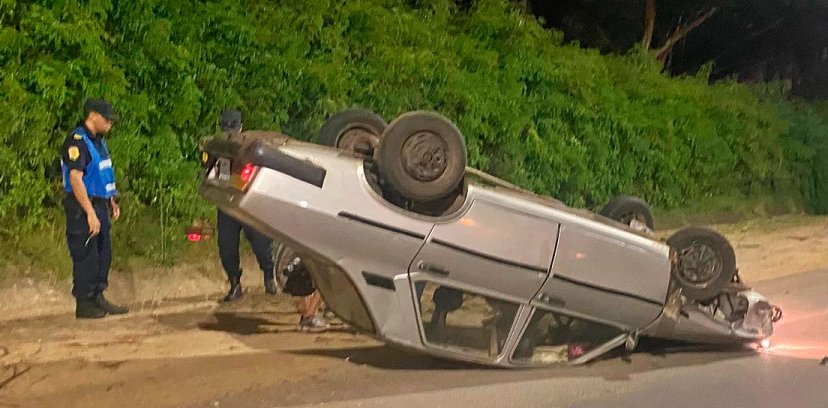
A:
(192, 351)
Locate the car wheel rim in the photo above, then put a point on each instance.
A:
(424, 156)
(699, 265)
(352, 138)
(636, 221)
(629, 217)
(284, 260)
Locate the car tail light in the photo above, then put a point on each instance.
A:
(247, 172)
(246, 175)
(194, 237)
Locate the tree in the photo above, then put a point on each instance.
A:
(677, 34)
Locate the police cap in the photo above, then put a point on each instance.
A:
(102, 107)
(230, 120)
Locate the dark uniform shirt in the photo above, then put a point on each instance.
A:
(75, 154)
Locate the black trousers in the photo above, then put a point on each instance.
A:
(229, 234)
(91, 257)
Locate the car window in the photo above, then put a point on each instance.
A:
(553, 337)
(455, 318)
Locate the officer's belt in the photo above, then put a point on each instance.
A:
(99, 201)
(94, 200)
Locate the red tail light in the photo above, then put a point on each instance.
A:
(194, 237)
(247, 172)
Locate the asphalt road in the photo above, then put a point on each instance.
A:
(787, 374)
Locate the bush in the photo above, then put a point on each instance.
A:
(806, 148)
(546, 115)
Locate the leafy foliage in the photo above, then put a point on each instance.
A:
(806, 147)
(542, 113)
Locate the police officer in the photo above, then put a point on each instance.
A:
(89, 183)
(229, 231)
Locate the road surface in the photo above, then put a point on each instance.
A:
(249, 356)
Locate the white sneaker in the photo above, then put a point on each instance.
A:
(316, 324)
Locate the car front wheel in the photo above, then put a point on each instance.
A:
(704, 262)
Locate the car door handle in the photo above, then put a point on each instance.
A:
(551, 300)
(432, 268)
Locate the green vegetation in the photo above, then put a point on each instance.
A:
(548, 116)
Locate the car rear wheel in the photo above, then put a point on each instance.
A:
(629, 210)
(356, 130)
(422, 156)
(704, 264)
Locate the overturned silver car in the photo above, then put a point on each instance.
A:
(407, 243)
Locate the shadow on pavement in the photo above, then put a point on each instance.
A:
(391, 358)
(238, 324)
(650, 355)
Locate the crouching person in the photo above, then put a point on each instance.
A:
(300, 284)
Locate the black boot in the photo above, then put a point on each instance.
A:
(270, 287)
(87, 308)
(235, 291)
(110, 308)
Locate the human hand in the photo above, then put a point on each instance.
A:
(94, 223)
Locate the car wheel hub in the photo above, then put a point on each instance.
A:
(628, 218)
(699, 265)
(424, 156)
(358, 137)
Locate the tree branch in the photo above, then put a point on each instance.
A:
(649, 24)
(682, 32)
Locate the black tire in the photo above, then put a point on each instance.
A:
(705, 262)
(626, 208)
(353, 129)
(422, 156)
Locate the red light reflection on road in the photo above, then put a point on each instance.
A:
(800, 334)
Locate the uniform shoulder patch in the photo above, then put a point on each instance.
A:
(77, 136)
(74, 153)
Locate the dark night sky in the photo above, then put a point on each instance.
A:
(757, 40)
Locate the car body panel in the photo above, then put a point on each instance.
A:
(609, 276)
(509, 252)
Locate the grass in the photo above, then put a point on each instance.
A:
(729, 209)
(140, 242)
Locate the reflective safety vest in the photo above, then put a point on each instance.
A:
(99, 176)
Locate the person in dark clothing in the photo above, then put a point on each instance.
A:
(300, 284)
(229, 232)
(89, 184)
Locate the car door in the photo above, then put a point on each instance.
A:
(608, 274)
(473, 273)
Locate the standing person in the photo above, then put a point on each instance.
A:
(89, 183)
(229, 232)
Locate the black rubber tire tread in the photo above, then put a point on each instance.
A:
(389, 156)
(343, 121)
(621, 205)
(687, 237)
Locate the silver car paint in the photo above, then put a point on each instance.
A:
(541, 233)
